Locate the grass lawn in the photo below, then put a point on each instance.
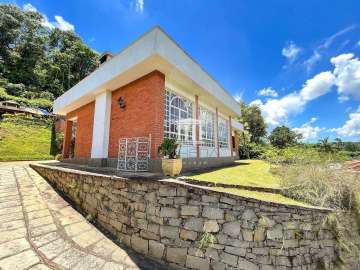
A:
(24, 142)
(255, 173)
(264, 196)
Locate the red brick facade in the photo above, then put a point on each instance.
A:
(143, 113)
(84, 131)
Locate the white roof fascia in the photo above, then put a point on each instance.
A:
(153, 42)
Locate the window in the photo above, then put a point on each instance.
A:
(207, 127)
(223, 133)
(178, 118)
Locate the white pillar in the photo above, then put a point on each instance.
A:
(100, 138)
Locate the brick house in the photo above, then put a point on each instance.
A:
(119, 114)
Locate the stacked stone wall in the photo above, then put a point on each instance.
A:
(198, 228)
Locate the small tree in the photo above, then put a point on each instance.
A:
(54, 150)
(253, 122)
(325, 145)
(283, 136)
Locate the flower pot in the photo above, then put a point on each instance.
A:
(171, 167)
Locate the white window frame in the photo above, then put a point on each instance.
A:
(207, 127)
(223, 130)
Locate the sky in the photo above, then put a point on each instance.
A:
(297, 60)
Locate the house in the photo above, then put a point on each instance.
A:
(120, 114)
(13, 107)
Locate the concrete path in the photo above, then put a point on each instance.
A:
(39, 230)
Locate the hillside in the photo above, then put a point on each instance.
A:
(19, 141)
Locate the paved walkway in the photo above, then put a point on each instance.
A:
(39, 230)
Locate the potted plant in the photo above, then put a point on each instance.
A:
(170, 163)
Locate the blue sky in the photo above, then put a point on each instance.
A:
(298, 60)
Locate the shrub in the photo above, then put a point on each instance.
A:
(320, 184)
(168, 148)
(300, 154)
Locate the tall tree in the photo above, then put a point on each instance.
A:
(38, 62)
(253, 122)
(283, 136)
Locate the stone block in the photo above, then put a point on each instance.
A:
(246, 265)
(190, 210)
(139, 244)
(229, 259)
(176, 255)
(156, 249)
(275, 233)
(188, 235)
(149, 235)
(197, 263)
(209, 199)
(211, 226)
(167, 191)
(248, 235)
(213, 213)
(232, 228)
(169, 232)
(236, 251)
(194, 224)
(169, 212)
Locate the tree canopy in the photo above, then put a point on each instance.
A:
(253, 122)
(38, 62)
(283, 136)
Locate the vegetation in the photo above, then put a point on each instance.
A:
(24, 139)
(168, 148)
(254, 173)
(253, 122)
(38, 64)
(283, 136)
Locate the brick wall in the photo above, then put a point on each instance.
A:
(167, 220)
(83, 142)
(143, 114)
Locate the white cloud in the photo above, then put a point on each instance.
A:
(308, 132)
(268, 92)
(312, 60)
(313, 120)
(351, 128)
(29, 7)
(139, 6)
(347, 73)
(58, 23)
(291, 51)
(277, 111)
(319, 85)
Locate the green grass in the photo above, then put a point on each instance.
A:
(20, 141)
(254, 173)
(263, 196)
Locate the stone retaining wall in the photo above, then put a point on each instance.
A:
(166, 221)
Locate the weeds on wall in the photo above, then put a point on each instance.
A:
(207, 239)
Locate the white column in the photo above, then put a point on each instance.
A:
(100, 138)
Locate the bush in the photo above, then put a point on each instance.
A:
(320, 184)
(300, 154)
(251, 151)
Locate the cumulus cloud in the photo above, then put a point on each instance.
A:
(291, 51)
(351, 127)
(268, 92)
(347, 73)
(277, 111)
(308, 132)
(59, 22)
(319, 85)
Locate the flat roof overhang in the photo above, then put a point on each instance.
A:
(153, 51)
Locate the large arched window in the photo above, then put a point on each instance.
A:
(178, 118)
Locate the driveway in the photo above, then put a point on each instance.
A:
(39, 230)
